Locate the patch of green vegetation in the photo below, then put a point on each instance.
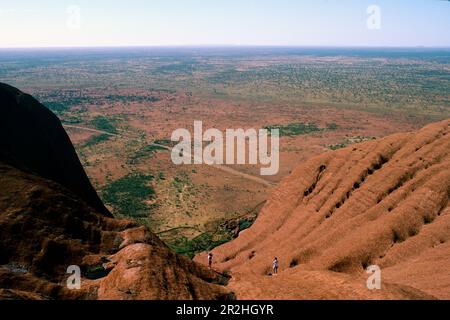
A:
(367, 83)
(244, 224)
(165, 142)
(96, 272)
(180, 181)
(104, 124)
(127, 195)
(332, 126)
(71, 119)
(145, 152)
(61, 101)
(204, 242)
(56, 107)
(349, 141)
(94, 140)
(161, 176)
(114, 98)
(337, 146)
(358, 139)
(96, 269)
(295, 129)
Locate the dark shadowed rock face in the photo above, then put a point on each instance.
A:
(32, 138)
(51, 218)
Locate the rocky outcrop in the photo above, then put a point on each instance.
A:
(33, 139)
(383, 203)
(51, 218)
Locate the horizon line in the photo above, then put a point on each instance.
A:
(228, 46)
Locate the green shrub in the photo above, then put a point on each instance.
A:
(56, 106)
(244, 224)
(145, 152)
(104, 124)
(337, 146)
(332, 126)
(295, 129)
(201, 243)
(128, 195)
(165, 142)
(94, 140)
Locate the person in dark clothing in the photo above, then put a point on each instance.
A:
(210, 260)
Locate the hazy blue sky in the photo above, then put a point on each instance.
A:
(30, 23)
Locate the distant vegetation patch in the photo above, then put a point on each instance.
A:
(349, 141)
(297, 129)
(165, 142)
(145, 152)
(184, 66)
(244, 224)
(127, 99)
(332, 126)
(94, 140)
(181, 181)
(104, 124)
(56, 106)
(61, 101)
(337, 146)
(71, 119)
(129, 194)
(204, 242)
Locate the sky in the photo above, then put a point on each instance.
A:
(56, 23)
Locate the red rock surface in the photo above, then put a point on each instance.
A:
(383, 202)
(44, 229)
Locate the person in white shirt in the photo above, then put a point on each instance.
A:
(275, 266)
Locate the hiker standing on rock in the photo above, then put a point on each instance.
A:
(275, 266)
(210, 260)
